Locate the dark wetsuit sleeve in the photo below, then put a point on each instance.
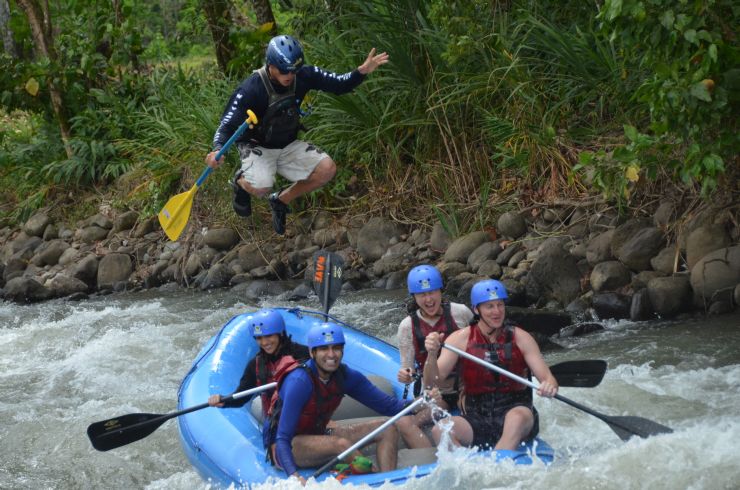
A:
(248, 381)
(295, 392)
(361, 389)
(319, 79)
(250, 94)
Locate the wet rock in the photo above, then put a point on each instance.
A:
(611, 305)
(544, 322)
(580, 329)
(641, 279)
(63, 285)
(506, 254)
(25, 290)
(641, 309)
(669, 295)
(255, 290)
(217, 276)
(396, 280)
(14, 268)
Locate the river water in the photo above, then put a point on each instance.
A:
(64, 365)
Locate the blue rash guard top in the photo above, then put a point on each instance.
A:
(295, 392)
(252, 94)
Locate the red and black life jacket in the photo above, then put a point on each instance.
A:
(266, 371)
(502, 352)
(316, 414)
(420, 329)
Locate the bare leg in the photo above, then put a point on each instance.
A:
(255, 191)
(410, 429)
(461, 433)
(316, 450)
(517, 424)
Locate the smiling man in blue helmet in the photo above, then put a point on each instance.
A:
(274, 93)
(497, 411)
(298, 433)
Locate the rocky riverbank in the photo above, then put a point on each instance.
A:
(590, 265)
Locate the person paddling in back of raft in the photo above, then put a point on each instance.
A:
(268, 329)
(296, 432)
(274, 93)
(497, 411)
(428, 313)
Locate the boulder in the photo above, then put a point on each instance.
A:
(125, 221)
(553, 275)
(114, 268)
(221, 238)
(50, 252)
(25, 290)
(641, 309)
(218, 276)
(703, 240)
(485, 251)
(251, 257)
(91, 234)
(440, 239)
(99, 220)
(506, 254)
(36, 225)
(63, 285)
(145, 227)
(490, 269)
(715, 271)
(636, 251)
(611, 305)
(665, 214)
(461, 248)
(375, 237)
(511, 224)
(663, 262)
(669, 295)
(86, 269)
(609, 276)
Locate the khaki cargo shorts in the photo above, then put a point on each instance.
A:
(294, 162)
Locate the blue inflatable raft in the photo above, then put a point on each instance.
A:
(225, 444)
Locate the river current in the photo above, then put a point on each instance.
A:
(65, 365)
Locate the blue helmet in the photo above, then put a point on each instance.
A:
(487, 290)
(266, 322)
(285, 53)
(424, 278)
(323, 334)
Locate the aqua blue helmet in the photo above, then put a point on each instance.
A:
(487, 290)
(285, 53)
(325, 334)
(424, 278)
(266, 322)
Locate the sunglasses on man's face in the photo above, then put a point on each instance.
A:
(286, 72)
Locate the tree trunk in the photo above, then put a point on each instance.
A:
(8, 42)
(218, 16)
(263, 11)
(40, 22)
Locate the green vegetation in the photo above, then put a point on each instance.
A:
(484, 105)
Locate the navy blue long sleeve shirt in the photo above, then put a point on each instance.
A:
(296, 390)
(251, 94)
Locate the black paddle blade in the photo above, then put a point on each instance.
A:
(327, 277)
(579, 374)
(626, 427)
(116, 432)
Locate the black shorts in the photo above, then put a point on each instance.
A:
(486, 414)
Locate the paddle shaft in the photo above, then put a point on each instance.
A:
(250, 122)
(368, 437)
(161, 419)
(327, 286)
(614, 422)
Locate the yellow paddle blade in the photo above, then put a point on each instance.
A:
(175, 214)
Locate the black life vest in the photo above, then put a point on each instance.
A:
(280, 124)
